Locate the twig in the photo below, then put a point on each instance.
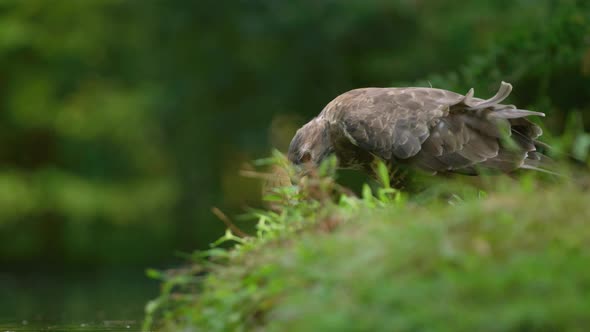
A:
(257, 175)
(217, 212)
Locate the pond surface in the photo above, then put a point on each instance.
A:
(105, 301)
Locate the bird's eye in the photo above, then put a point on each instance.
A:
(305, 158)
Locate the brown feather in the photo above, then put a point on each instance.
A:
(432, 129)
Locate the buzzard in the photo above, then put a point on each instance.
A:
(434, 130)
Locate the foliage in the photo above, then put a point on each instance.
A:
(316, 202)
(548, 65)
(132, 124)
(328, 261)
(459, 256)
(80, 154)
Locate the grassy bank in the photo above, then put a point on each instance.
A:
(502, 255)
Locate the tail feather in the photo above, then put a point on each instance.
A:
(527, 165)
(513, 113)
(503, 93)
(539, 162)
(516, 137)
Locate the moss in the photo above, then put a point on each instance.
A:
(516, 260)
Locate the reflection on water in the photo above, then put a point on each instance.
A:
(106, 301)
(111, 326)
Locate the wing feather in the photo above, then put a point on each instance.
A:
(391, 123)
(435, 129)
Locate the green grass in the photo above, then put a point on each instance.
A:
(504, 255)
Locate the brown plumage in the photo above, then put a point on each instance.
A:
(431, 129)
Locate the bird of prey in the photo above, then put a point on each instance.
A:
(434, 130)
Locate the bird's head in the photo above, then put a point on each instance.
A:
(311, 144)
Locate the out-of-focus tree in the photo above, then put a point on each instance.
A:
(549, 65)
(123, 122)
(79, 146)
(248, 66)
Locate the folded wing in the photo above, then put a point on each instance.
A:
(437, 130)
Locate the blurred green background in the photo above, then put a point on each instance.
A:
(123, 122)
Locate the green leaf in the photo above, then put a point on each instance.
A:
(272, 198)
(383, 173)
(581, 147)
(153, 274)
(367, 193)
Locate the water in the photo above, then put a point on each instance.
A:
(106, 301)
(110, 326)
